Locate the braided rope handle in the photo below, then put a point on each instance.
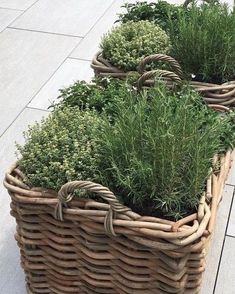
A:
(66, 194)
(161, 73)
(219, 108)
(160, 57)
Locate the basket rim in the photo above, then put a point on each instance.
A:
(223, 93)
(196, 227)
(99, 62)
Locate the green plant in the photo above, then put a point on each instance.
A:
(102, 94)
(153, 150)
(159, 151)
(228, 135)
(202, 37)
(203, 42)
(128, 43)
(158, 12)
(62, 148)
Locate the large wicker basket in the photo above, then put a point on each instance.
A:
(71, 246)
(223, 94)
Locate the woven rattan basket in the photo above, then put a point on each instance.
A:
(71, 246)
(223, 94)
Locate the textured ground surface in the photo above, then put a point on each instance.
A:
(45, 45)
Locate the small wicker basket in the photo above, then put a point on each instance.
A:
(71, 246)
(223, 94)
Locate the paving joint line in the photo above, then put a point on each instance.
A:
(16, 117)
(36, 108)
(100, 17)
(222, 250)
(23, 11)
(230, 236)
(68, 56)
(52, 33)
(52, 74)
(231, 185)
(14, 9)
(83, 59)
(44, 32)
(26, 106)
(95, 24)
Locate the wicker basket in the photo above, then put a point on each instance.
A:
(223, 94)
(103, 68)
(73, 246)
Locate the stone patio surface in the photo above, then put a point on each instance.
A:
(46, 45)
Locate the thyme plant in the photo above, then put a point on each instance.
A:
(62, 148)
(125, 45)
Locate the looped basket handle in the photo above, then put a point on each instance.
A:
(160, 57)
(161, 73)
(65, 195)
(219, 108)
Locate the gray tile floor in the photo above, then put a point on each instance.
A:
(46, 45)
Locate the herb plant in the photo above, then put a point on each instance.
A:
(202, 36)
(127, 44)
(159, 151)
(62, 148)
(228, 134)
(102, 95)
(203, 42)
(159, 12)
(153, 149)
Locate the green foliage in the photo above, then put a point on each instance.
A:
(102, 94)
(228, 134)
(62, 148)
(159, 151)
(202, 37)
(204, 42)
(153, 149)
(127, 44)
(158, 12)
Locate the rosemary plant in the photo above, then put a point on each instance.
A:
(159, 151)
(203, 42)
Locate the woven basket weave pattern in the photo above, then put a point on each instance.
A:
(102, 248)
